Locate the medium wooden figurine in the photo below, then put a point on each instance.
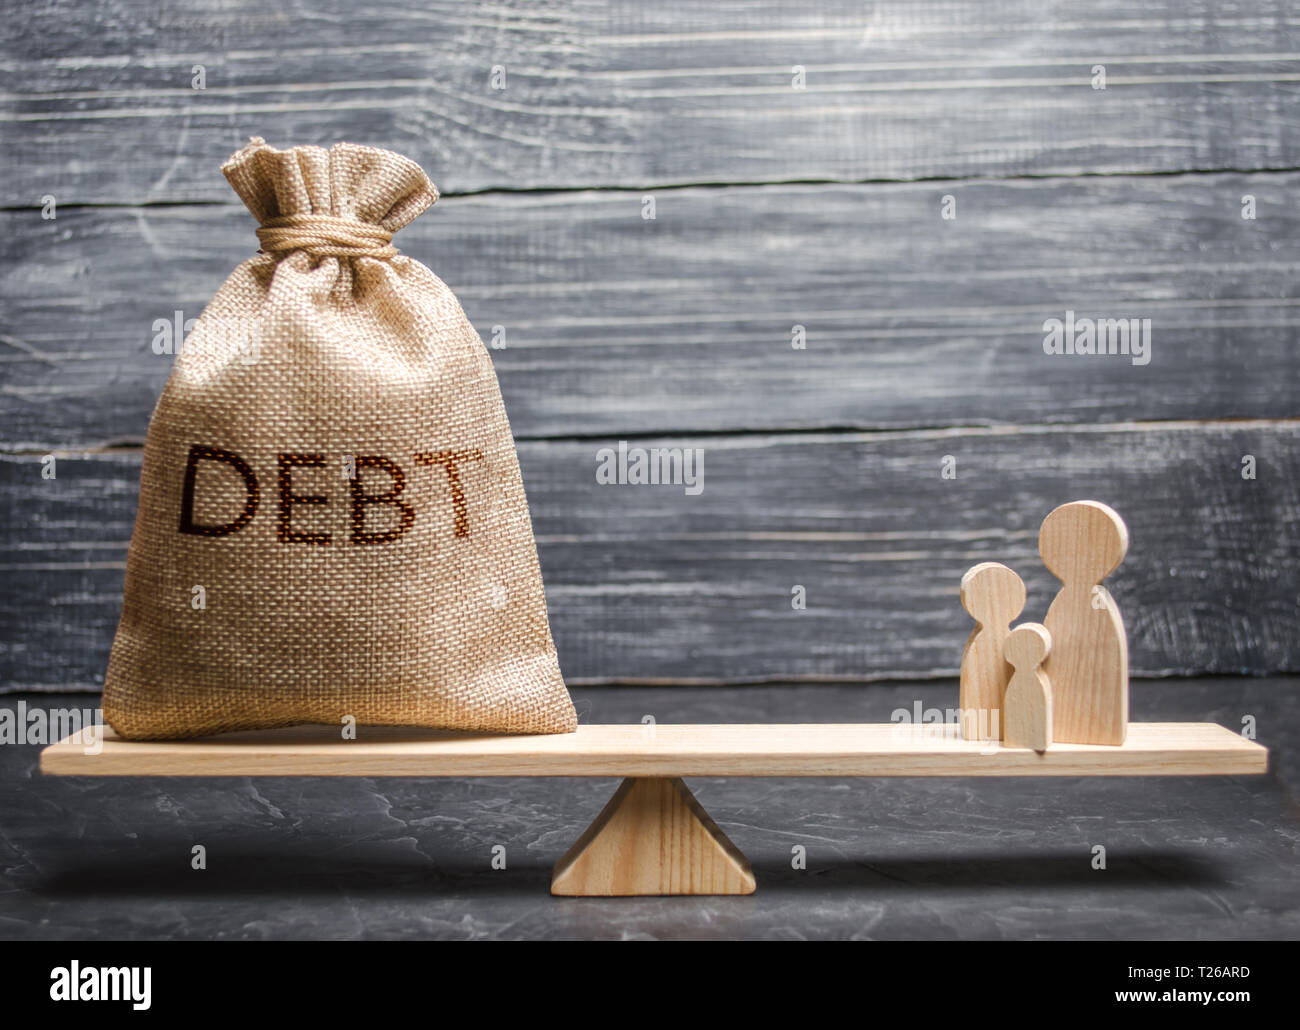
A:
(994, 596)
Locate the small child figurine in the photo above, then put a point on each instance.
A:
(1027, 708)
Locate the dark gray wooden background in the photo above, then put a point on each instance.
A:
(775, 206)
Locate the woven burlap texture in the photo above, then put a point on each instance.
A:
(330, 366)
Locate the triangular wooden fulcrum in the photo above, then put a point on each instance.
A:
(652, 838)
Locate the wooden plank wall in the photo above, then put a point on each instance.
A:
(775, 206)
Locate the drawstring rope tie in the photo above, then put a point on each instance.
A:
(326, 236)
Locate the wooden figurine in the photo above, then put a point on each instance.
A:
(1081, 544)
(994, 596)
(1027, 705)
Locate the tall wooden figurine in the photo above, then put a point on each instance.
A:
(1081, 544)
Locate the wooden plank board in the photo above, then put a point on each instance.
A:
(100, 106)
(649, 584)
(615, 325)
(766, 749)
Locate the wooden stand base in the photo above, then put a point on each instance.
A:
(652, 838)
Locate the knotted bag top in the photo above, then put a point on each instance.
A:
(344, 202)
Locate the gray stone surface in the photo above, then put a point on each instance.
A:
(1199, 858)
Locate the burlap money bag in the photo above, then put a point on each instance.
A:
(332, 522)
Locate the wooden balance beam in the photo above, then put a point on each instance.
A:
(653, 837)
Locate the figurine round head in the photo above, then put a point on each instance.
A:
(1027, 645)
(992, 593)
(1083, 542)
